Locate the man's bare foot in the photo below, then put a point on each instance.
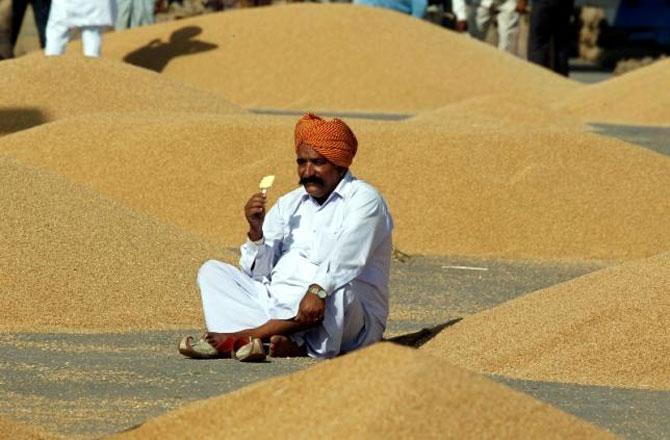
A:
(281, 346)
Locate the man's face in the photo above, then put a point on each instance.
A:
(318, 175)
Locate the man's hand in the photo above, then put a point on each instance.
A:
(521, 6)
(254, 211)
(311, 310)
(461, 26)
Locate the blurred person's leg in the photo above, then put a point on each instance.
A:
(508, 27)
(562, 37)
(142, 13)
(539, 33)
(18, 12)
(483, 17)
(91, 38)
(58, 29)
(6, 29)
(41, 13)
(124, 11)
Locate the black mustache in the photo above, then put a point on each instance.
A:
(311, 179)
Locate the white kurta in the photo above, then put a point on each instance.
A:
(343, 245)
(83, 13)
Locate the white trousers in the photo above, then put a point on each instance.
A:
(58, 35)
(232, 301)
(507, 20)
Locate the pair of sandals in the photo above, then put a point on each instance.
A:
(241, 348)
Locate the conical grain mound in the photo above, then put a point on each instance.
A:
(337, 57)
(638, 97)
(607, 328)
(530, 194)
(19, 431)
(72, 260)
(384, 391)
(39, 89)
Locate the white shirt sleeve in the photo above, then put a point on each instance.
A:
(258, 258)
(366, 226)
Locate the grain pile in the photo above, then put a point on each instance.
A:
(40, 89)
(19, 431)
(330, 56)
(607, 328)
(543, 194)
(638, 97)
(73, 260)
(427, 398)
(495, 113)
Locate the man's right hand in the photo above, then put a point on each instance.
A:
(254, 211)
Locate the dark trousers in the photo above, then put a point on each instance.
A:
(549, 34)
(41, 12)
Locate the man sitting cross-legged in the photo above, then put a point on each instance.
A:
(314, 270)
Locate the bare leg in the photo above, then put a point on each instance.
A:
(282, 346)
(264, 332)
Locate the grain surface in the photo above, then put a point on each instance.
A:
(330, 56)
(40, 89)
(75, 261)
(10, 429)
(384, 391)
(609, 328)
(638, 97)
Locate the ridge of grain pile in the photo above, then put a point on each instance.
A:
(638, 97)
(606, 328)
(330, 57)
(384, 391)
(73, 260)
(39, 89)
(524, 194)
(10, 429)
(495, 113)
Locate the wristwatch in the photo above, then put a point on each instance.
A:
(318, 291)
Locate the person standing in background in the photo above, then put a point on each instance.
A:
(507, 14)
(134, 13)
(549, 34)
(90, 16)
(41, 13)
(6, 49)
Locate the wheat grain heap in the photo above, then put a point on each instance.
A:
(608, 328)
(19, 431)
(428, 398)
(638, 97)
(73, 260)
(339, 57)
(536, 194)
(40, 89)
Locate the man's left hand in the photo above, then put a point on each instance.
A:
(311, 310)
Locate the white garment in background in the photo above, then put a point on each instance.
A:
(507, 19)
(459, 10)
(343, 245)
(89, 15)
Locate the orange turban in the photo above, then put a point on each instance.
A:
(334, 140)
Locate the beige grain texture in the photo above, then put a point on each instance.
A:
(73, 260)
(330, 56)
(638, 97)
(610, 328)
(557, 194)
(38, 89)
(384, 391)
(11, 429)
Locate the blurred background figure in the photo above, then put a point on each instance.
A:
(416, 8)
(549, 36)
(134, 13)
(507, 14)
(41, 13)
(6, 49)
(90, 16)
